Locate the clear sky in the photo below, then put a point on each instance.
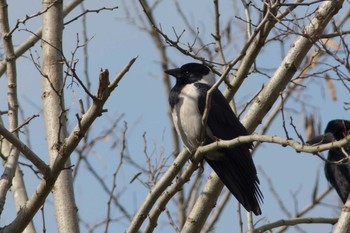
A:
(142, 99)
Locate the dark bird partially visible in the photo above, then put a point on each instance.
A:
(338, 175)
(234, 166)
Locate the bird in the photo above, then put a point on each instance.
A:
(234, 166)
(338, 175)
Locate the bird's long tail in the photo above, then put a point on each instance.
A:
(236, 169)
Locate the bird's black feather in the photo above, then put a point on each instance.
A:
(235, 168)
(338, 175)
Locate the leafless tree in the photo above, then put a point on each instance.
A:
(280, 48)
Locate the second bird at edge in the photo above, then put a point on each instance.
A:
(338, 175)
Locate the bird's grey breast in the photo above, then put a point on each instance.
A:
(187, 118)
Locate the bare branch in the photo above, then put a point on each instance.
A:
(71, 142)
(290, 64)
(91, 11)
(312, 205)
(28, 17)
(272, 139)
(295, 221)
(34, 38)
(157, 190)
(343, 222)
(11, 163)
(114, 185)
(27, 152)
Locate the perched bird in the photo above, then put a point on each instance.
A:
(338, 175)
(234, 166)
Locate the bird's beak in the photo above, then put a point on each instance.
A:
(322, 139)
(174, 72)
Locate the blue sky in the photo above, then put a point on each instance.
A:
(143, 101)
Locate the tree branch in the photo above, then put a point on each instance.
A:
(68, 146)
(276, 84)
(295, 221)
(35, 37)
(26, 151)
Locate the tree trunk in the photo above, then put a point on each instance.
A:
(55, 114)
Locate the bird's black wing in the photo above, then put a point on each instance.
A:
(338, 175)
(234, 166)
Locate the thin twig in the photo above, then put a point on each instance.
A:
(295, 221)
(91, 11)
(69, 145)
(114, 185)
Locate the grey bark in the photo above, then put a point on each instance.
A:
(33, 39)
(55, 115)
(11, 176)
(266, 98)
(343, 224)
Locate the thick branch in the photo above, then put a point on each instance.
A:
(276, 85)
(272, 139)
(54, 111)
(290, 64)
(26, 151)
(295, 221)
(69, 145)
(258, 40)
(158, 190)
(12, 102)
(343, 225)
(35, 37)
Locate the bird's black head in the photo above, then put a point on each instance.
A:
(192, 72)
(335, 130)
(339, 128)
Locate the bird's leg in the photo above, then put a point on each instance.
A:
(201, 166)
(192, 152)
(201, 163)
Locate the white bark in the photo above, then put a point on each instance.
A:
(18, 189)
(33, 39)
(54, 115)
(11, 175)
(200, 213)
(290, 64)
(12, 157)
(20, 196)
(270, 93)
(44, 188)
(343, 224)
